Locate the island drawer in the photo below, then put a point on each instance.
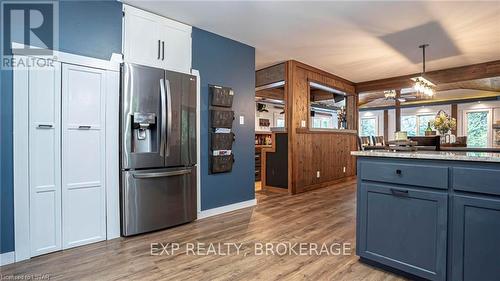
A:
(404, 228)
(479, 180)
(410, 174)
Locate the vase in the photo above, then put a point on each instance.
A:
(445, 136)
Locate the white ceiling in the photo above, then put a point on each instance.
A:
(359, 41)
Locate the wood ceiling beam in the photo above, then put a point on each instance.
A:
(450, 75)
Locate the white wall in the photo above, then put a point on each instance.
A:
(425, 110)
(266, 115)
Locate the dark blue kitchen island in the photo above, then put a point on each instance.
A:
(431, 214)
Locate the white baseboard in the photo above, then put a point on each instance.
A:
(227, 208)
(7, 258)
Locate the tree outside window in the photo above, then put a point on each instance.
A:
(368, 127)
(409, 124)
(423, 123)
(477, 129)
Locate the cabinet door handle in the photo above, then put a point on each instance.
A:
(399, 192)
(162, 50)
(398, 171)
(45, 126)
(84, 127)
(158, 49)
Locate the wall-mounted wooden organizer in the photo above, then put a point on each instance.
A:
(220, 129)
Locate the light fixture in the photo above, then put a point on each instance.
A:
(423, 87)
(391, 94)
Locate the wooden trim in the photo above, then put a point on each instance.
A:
(454, 114)
(289, 121)
(325, 131)
(438, 102)
(325, 184)
(324, 73)
(398, 111)
(450, 75)
(386, 125)
(270, 74)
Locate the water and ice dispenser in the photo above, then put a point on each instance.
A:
(145, 131)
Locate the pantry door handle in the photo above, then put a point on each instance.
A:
(45, 126)
(158, 49)
(163, 50)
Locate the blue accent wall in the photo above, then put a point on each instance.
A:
(88, 28)
(225, 62)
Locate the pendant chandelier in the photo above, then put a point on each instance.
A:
(423, 87)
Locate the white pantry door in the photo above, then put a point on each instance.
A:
(44, 86)
(83, 155)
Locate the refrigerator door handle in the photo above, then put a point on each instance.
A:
(163, 115)
(169, 116)
(162, 174)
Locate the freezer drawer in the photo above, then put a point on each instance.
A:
(157, 198)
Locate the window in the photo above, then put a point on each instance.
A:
(415, 125)
(409, 124)
(423, 123)
(323, 121)
(368, 127)
(325, 104)
(477, 128)
(279, 120)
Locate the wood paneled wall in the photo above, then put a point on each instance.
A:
(312, 151)
(327, 153)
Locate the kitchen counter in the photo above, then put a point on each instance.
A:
(433, 155)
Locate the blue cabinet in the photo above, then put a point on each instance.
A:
(404, 228)
(476, 238)
(435, 219)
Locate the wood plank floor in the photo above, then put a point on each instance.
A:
(325, 215)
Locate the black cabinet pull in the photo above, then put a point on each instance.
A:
(398, 171)
(162, 50)
(45, 126)
(399, 192)
(158, 49)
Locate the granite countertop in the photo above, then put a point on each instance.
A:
(434, 155)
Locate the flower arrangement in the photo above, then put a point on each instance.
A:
(342, 117)
(444, 123)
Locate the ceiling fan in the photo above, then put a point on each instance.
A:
(405, 95)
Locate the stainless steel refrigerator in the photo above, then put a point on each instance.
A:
(157, 148)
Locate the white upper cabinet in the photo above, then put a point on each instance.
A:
(156, 41)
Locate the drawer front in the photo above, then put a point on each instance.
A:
(404, 228)
(418, 175)
(476, 230)
(476, 180)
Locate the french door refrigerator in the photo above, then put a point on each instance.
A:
(157, 148)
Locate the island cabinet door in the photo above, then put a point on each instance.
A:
(475, 238)
(403, 228)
